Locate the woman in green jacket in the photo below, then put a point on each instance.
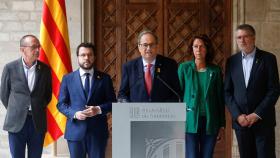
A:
(202, 87)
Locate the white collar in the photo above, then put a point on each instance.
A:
(83, 71)
(145, 63)
(26, 67)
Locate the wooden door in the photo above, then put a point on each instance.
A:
(118, 22)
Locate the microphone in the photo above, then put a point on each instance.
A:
(169, 87)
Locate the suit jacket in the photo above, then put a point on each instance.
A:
(72, 98)
(16, 96)
(133, 82)
(215, 106)
(262, 91)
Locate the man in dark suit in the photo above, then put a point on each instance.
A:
(151, 77)
(25, 93)
(86, 96)
(251, 92)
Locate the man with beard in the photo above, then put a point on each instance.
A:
(25, 93)
(86, 96)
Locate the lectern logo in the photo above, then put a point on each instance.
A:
(134, 112)
(164, 148)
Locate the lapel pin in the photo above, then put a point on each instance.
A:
(257, 61)
(158, 70)
(98, 77)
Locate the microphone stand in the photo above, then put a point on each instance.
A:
(179, 97)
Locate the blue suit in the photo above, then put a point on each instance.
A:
(258, 97)
(72, 98)
(133, 88)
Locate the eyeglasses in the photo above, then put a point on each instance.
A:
(33, 47)
(85, 55)
(198, 46)
(243, 37)
(146, 45)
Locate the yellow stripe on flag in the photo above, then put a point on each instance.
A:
(60, 19)
(52, 55)
(48, 139)
(59, 117)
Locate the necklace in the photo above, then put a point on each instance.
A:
(202, 70)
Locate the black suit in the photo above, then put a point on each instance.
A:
(259, 97)
(133, 82)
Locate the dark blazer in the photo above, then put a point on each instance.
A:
(16, 96)
(262, 92)
(72, 99)
(133, 82)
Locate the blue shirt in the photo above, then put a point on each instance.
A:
(247, 64)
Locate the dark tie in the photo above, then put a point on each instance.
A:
(148, 78)
(87, 84)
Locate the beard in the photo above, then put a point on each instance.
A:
(86, 66)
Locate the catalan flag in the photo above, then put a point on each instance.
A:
(55, 52)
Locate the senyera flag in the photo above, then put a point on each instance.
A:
(55, 52)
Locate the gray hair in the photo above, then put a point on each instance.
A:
(248, 28)
(147, 32)
(22, 40)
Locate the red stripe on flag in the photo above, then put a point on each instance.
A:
(43, 58)
(56, 37)
(53, 128)
(55, 81)
(62, 5)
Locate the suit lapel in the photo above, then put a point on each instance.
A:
(77, 80)
(239, 67)
(96, 80)
(157, 72)
(22, 74)
(38, 73)
(255, 66)
(139, 68)
(210, 74)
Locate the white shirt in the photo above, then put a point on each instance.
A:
(83, 76)
(247, 64)
(30, 75)
(152, 68)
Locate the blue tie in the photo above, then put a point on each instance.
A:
(87, 84)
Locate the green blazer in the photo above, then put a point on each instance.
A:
(215, 108)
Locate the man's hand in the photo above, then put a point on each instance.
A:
(221, 133)
(252, 118)
(91, 111)
(79, 115)
(242, 120)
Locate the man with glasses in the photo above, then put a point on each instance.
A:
(86, 96)
(25, 93)
(251, 92)
(151, 77)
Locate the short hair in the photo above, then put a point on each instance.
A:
(248, 28)
(22, 42)
(147, 32)
(208, 44)
(86, 45)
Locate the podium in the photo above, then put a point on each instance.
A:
(148, 130)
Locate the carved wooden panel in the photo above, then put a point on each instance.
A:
(217, 28)
(107, 42)
(118, 23)
(182, 22)
(137, 20)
